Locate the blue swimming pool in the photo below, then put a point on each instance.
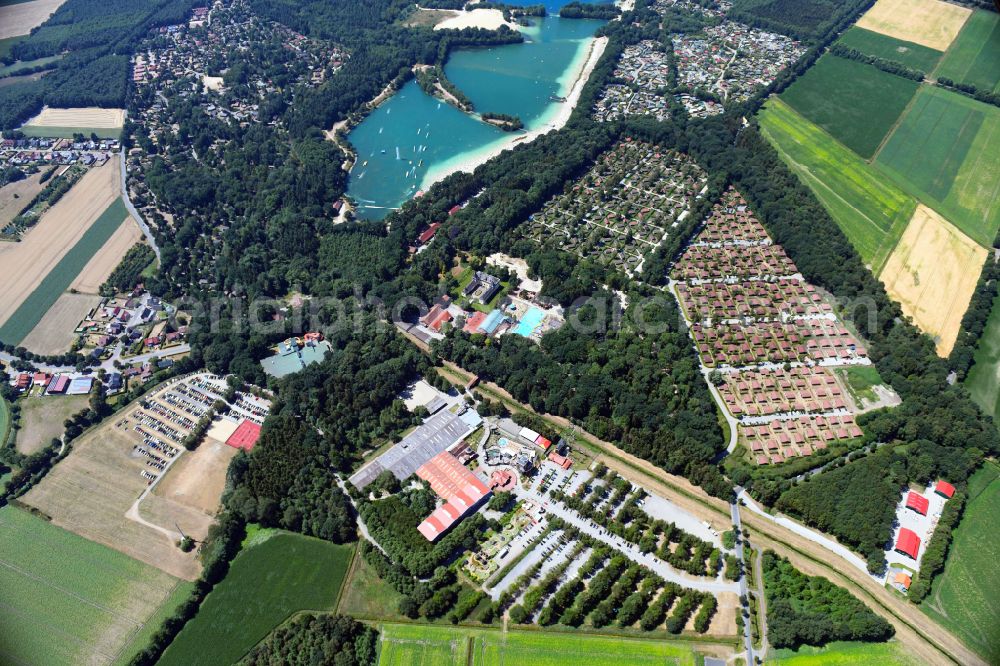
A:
(531, 320)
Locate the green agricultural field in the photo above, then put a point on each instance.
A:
(870, 210)
(944, 152)
(34, 307)
(66, 600)
(274, 576)
(855, 103)
(983, 380)
(4, 421)
(68, 132)
(843, 654)
(419, 645)
(974, 55)
(966, 598)
(914, 56)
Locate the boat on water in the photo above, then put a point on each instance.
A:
(383, 151)
(365, 163)
(380, 129)
(397, 152)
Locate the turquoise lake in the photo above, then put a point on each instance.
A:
(432, 136)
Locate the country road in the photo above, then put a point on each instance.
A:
(146, 231)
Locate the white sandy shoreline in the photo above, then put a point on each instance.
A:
(469, 161)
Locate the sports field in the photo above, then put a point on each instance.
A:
(932, 274)
(870, 210)
(914, 56)
(944, 152)
(423, 645)
(932, 23)
(966, 597)
(61, 276)
(843, 654)
(856, 103)
(983, 380)
(974, 56)
(65, 600)
(267, 582)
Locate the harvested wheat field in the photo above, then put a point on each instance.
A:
(84, 117)
(198, 478)
(27, 263)
(103, 263)
(15, 196)
(932, 274)
(20, 18)
(92, 489)
(54, 333)
(930, 23)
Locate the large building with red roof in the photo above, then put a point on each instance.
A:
(461, 490)
(908, 543)
(917, 502)
(944, 489)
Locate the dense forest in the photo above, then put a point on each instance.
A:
(317, 640)
(810, 610)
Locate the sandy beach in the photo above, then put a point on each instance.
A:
(562, 112)
(489, 19)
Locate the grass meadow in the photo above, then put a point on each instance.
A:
(58, 280)
(870, 210)
(855, 103)
(972, 58)
(67, 600)
(275, 575)
(983, 380)
(944, 152)
(4, 421)
(843, 654)
(965, 599)
(420, 645)
(914, 56)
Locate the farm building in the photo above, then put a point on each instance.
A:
(944, 489)
(461, 490)
(245, 436)
(908, 543)
(917, 502)
(59, 384)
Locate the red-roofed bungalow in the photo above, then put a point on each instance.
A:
(428, 233)
(473, 322)
(908, 543)
(454, 209)
(245, 436)
(944, 489)
(917, 502)
(562, 461)
(543, 442)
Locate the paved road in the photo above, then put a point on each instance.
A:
(812, 535)
(146, 231)
(648, 560)
(734, 510)
(109, 364)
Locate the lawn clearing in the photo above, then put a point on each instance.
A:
(267, 582)
(31, 310)
(932, 23)
(855, 102)
(974, 55)
(42, 419)
(965, 599)
(403, 644)
(15, 196)
(869, 208)
(65, 600)
(368, 597)
(47, 243)
(54, 333)
(914, 56)
(944, 153)
(932, 274)
(844, 654)
(983, 380)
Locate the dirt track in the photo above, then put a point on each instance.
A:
(27, 263)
